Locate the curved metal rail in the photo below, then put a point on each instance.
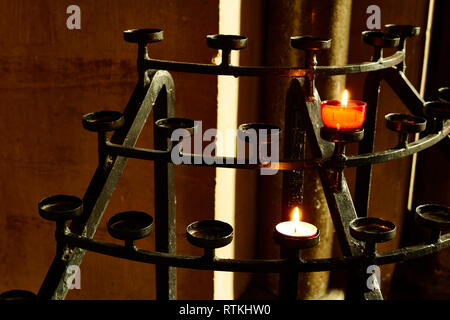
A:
(262, 265)
(392, 154)
(293, 72)
(284, 164)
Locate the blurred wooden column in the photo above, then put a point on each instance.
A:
(285, 19)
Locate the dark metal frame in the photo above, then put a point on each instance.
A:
(155, 88)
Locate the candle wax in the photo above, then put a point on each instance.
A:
(297, 229)
(335, 115)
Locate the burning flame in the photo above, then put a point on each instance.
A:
(344, 100)
(296, 216)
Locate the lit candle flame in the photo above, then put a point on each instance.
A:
(344, 101)
(296, 219)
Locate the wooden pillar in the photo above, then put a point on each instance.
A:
(285, 19)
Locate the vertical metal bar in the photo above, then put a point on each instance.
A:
(364, 173)
(339, 200)
(165, 230)
(404, 89)
(292, 192)
(142, 55)
(104, 181)
(288, 283)
(102, 138)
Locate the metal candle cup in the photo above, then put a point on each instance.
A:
(343, 114)
(372, 231)
(209, 234)
(16, 295)
(369, 229)
(60, 207)
(434, 216)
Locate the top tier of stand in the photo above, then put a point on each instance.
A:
(226, 43)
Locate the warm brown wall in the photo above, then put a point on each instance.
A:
(50, 77)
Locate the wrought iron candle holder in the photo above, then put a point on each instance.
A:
(166, 127)
(340, 137)
(18, 295)
(372, 231)
(155, 93)
(264, 133)
(404, 124)
(444, 94)
(169, 125)
(130, 226)
(435, 217)
(60, 208)
(226, 43)
(263, 137)
(209, 235)
(438, 111)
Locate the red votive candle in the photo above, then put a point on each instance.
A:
(343, 114)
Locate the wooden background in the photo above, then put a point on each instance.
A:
(51, 76)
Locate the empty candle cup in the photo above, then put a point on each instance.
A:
(18, 295)
(374, 230)
(167, 126)
(209, 234)
(433, 216)
(405, 123)
(103, 121)
(437, 109)
(130, 225)
(143, 35)
(226, 41)
(60, 207)
(444, 94)
(264, 133)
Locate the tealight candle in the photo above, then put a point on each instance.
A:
(343, 114)
(296, 228)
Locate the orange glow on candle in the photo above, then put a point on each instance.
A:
(343, 114)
